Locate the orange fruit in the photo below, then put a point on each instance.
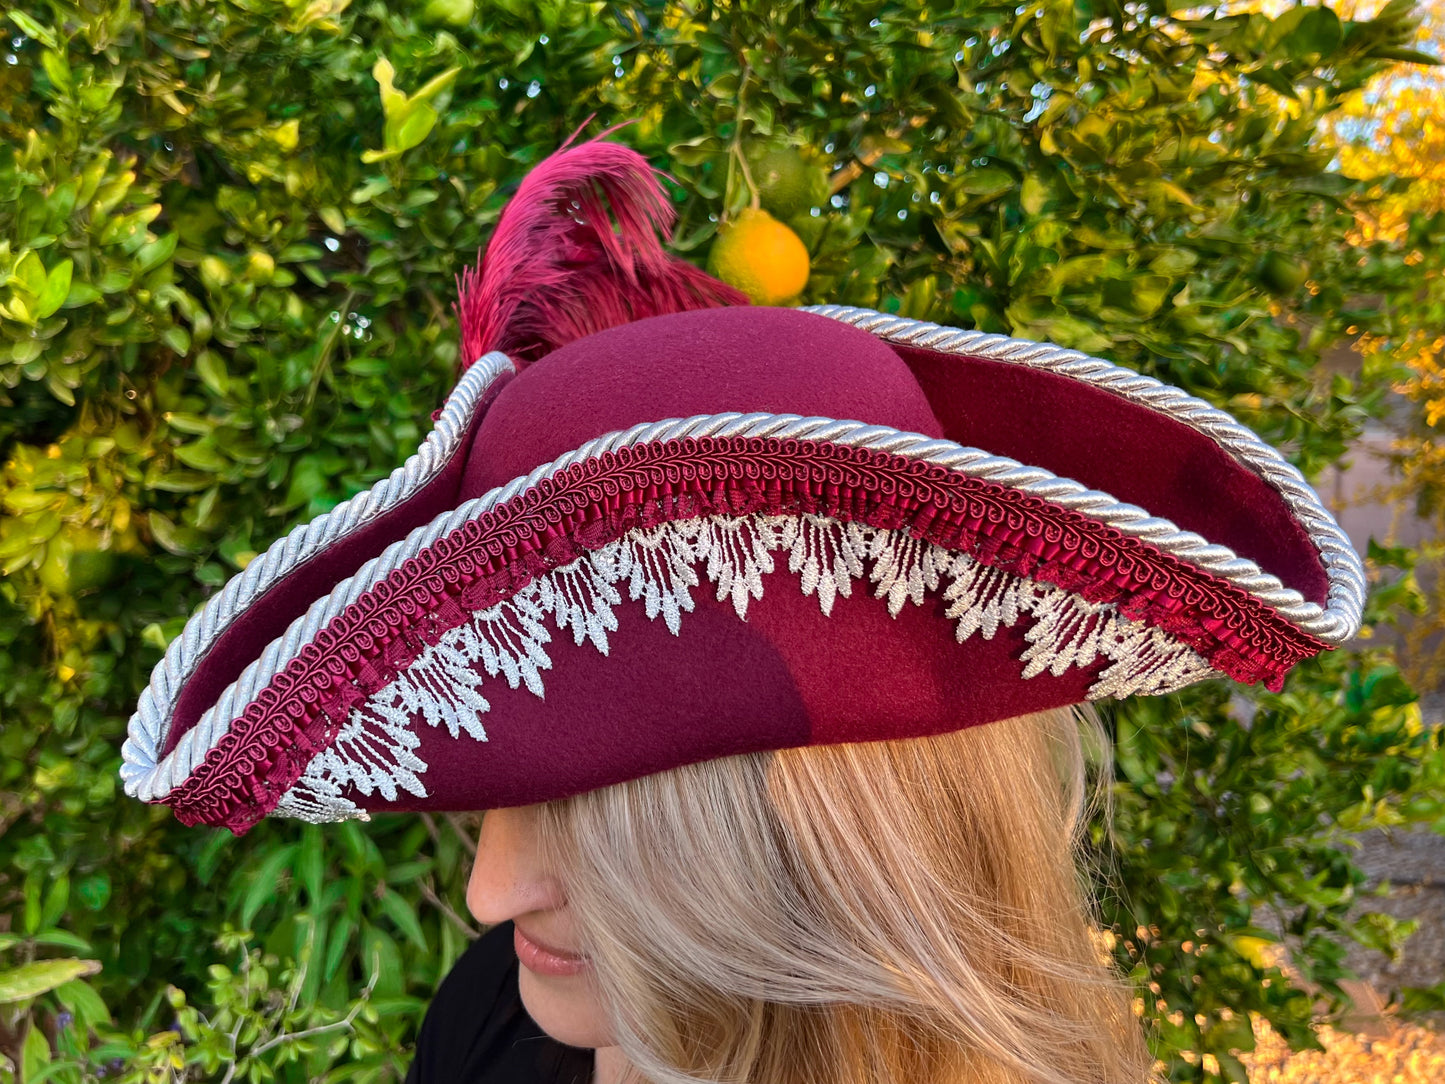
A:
(761, 257)
(787, 183)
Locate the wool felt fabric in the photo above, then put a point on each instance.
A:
(727, 529)
(1139, 456)
(732, 687)
(711, 361)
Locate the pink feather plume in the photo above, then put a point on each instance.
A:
(556, 269)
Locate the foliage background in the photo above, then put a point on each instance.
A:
(1393, 129)
(226, 268)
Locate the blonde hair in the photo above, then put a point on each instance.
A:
(873, 913)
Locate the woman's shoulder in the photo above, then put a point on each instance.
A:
(476, 1030)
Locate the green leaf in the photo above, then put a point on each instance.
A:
(409, 119)
(80, 998)
(1174, 261)
(265, 881)
(56, 67)
(724, 87)
(81, 294)
(381, 957)
(695, 151)
(212, 852)
(1033, 194)
(1316, 34)
(309, 479)
(1147, 292)
(202, 455)
(404, 873)
(64, 939)
(193, 424)
(414, 127)
(154, 253)
(987, 182)
(178, 339)
(55, 291)
(1273, 79)
(436, 85)
(1232, 1069)
(29, 275)
(404, 915)
(33, 29)
(34, 883)
(19, 311)
(33, 979)
(339, 941)
(35, 1054)
(56, 900)
(94, 890)
(1406, 56)
(212, 371)
(177, 481)
(173, 539)
(311, 865)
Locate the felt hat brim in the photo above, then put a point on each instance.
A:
(734, 529)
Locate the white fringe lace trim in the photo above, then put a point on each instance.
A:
(659, 566)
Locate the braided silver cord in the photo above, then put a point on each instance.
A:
(152, 782)
(146, 733)
(1346, 598)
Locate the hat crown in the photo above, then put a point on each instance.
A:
(707, 361)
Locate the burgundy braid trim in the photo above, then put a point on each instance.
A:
(490, 558)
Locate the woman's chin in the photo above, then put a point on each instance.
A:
(567, 1008)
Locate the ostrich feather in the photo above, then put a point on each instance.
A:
(558, 269)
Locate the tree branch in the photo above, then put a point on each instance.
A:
(321, 1029)
(430, 895)
(455, 821)
(854, 169)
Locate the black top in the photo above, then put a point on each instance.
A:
(477, 1032)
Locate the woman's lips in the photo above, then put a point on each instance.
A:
(544, 960)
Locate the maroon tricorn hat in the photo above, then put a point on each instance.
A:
(654, 525)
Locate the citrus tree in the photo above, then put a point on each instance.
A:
(228, 236)
(1391, 134)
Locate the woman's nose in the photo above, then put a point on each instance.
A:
(507, 877)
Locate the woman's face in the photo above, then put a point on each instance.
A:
(508, 883)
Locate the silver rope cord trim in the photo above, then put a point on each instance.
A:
(152, 782)
(146, 732)
(1345, 601)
